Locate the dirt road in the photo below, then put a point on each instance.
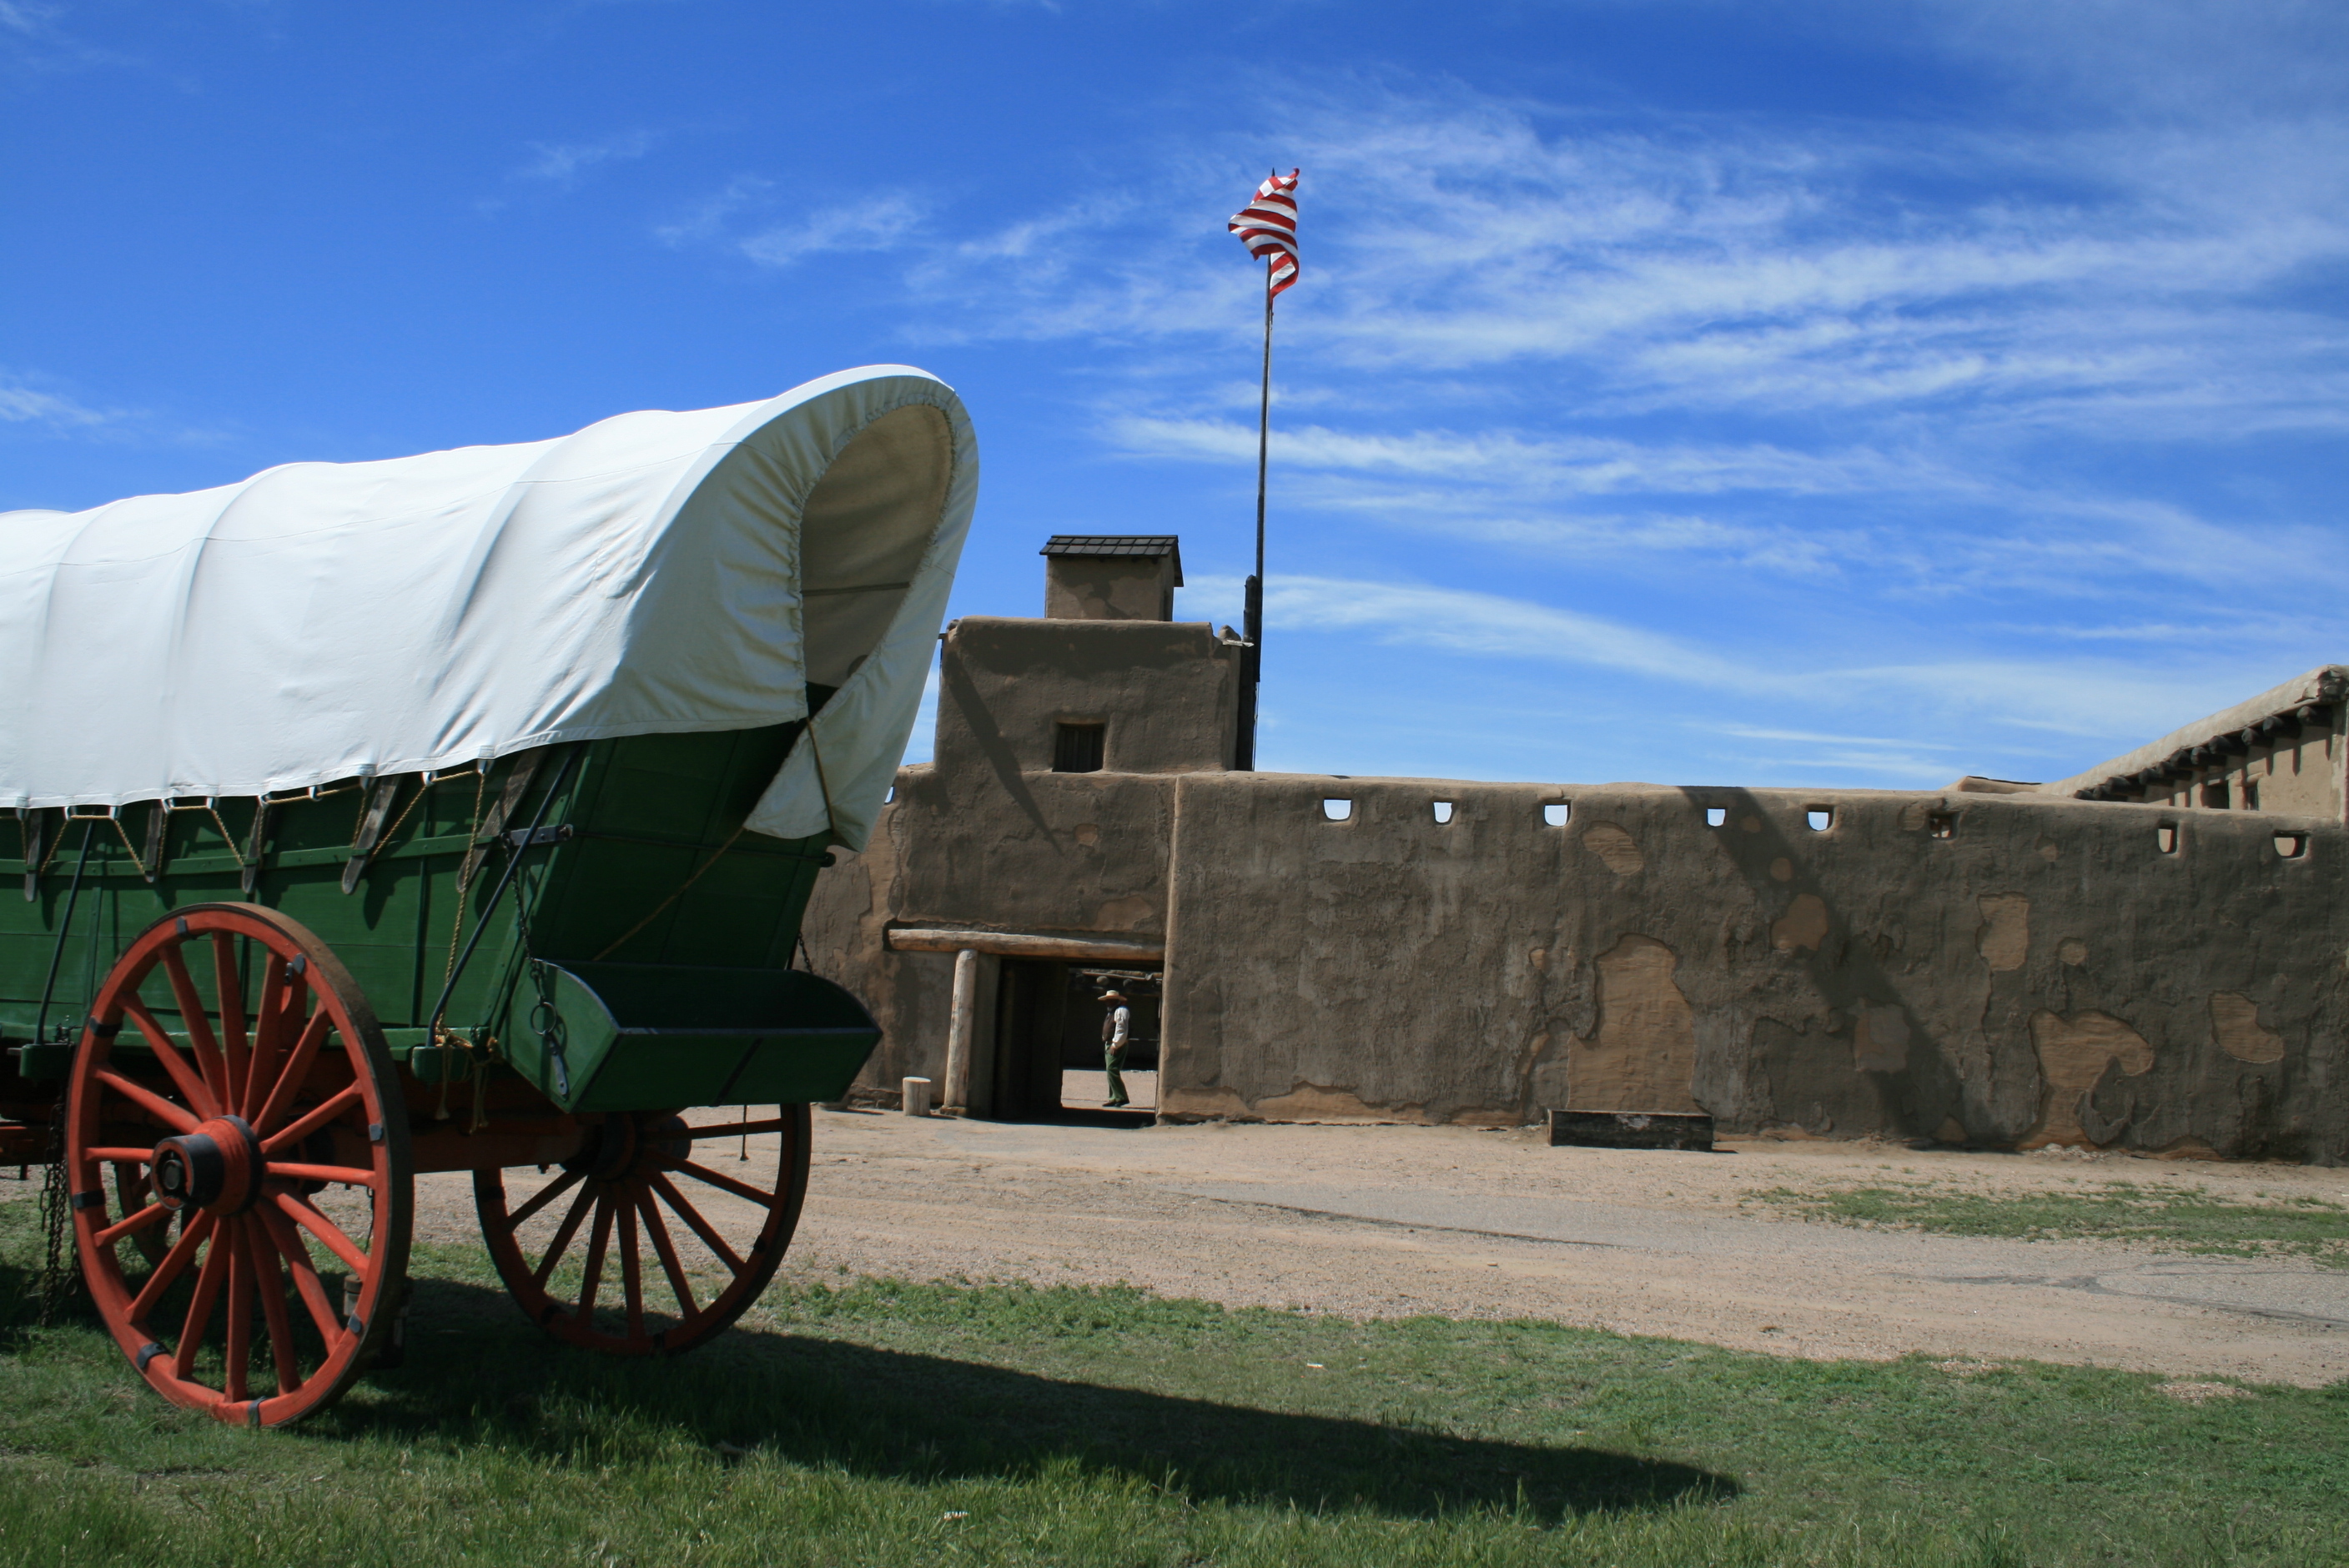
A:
(1387, 1221)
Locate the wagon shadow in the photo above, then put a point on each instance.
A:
(476, 1374)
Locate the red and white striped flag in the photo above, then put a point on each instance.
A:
(1268, 227)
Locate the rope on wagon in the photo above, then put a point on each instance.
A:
(831, 822)
(226, 837)
(124, 834)
(621, 938)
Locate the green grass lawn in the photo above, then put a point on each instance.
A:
(884, 1422)
(2181, 1219)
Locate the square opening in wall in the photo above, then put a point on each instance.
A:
(1076, 748)
(2214, 796)
(1820, 818)
(1336, 811)
(2251, 795)
(2292, 846)
(1443, 811)
(2165, 838)
(1556, 813)
(1715, 815)
(1942, 825)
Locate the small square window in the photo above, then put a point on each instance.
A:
(1715, 815)
(1443, 811)
(1337, 811)
(1819, 818)
(1558, 813)
(1076, 748)
(2214, 795)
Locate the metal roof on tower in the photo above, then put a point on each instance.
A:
(1131, 546)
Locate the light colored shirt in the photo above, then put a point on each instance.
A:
(1118, 1021)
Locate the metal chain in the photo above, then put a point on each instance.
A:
(57, 1279)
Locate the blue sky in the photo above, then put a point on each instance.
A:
(1842, 395)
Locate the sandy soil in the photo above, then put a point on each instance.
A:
(1385, 1221)
(1390, 1220)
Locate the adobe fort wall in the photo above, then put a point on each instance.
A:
(2127, 958)
(1994, 969)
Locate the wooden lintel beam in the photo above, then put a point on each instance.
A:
(1029, 945)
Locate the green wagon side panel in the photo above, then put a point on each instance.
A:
(649, 870)
(637, 1035)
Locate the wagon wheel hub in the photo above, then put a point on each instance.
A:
(215, 1168)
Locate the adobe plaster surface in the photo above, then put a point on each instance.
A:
(1991, 969)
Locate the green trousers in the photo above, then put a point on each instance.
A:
(1113, 1058)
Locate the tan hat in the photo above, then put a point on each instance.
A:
(1112, 995)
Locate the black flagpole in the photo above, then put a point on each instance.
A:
(1253, 660)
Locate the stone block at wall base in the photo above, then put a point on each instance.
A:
(1629, 1129)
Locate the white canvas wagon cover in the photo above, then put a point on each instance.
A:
(657, 572)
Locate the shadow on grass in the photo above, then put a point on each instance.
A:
(912, 1417)
(477, 1374)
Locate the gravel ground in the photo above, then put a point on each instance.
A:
(1394, 1221)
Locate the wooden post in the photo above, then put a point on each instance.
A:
(914, 1097)
(959, 1020)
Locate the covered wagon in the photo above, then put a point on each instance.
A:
(449, 813)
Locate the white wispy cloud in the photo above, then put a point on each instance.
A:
(706, 219)
(880, 223)
(740, 217)
(562, 163)
(21, 404)
(2077, 697)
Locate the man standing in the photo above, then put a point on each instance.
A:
(1115, 1023)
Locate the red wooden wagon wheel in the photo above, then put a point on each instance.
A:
(260, 1116)
(692, 1229)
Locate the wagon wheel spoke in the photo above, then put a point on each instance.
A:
(176, 1117)
(632, 1284)
(269, 1283)
(295, 1072)
(716, 1179)
(167, 1273)
(596, 1246)
(325, 1229)
(546, 1195)
(561, 1243)
(150, 1214)
(241, 1290)
(692, 1216)
(219, 1075)
(234, 1036)
(307, 1283)
(665, 1250)
(325, 1112)
(199, 1322)
(268, 1026)
(195, 1085)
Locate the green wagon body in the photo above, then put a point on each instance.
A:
(656, 972)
